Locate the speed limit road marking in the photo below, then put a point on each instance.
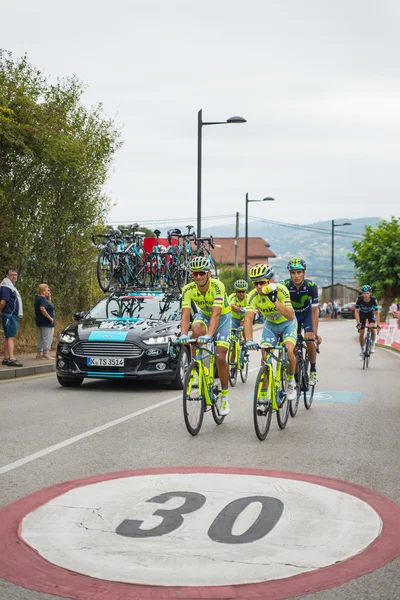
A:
(165, 533)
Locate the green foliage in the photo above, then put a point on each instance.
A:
(55, 156)
(229, 276)
(377, 260)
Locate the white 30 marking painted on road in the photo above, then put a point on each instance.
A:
(318, 527)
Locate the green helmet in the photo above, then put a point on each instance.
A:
(199, 263)
(241, 285)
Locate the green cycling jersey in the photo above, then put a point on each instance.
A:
(215, 296)
(266, 307)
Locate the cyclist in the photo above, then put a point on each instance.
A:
(304, 297)
(213, 321)
(366, 309)
(273, 301)
(238, 302)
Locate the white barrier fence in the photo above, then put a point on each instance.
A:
(389, 334)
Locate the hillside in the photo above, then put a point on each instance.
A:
(314, 246)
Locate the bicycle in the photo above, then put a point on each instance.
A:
(275, 399)
(368, 345)
(202, 250)
(237, 356)
(184, 256)
(108, 263)
(303, 375)
(201, 389)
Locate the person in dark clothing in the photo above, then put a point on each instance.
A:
(45, 320)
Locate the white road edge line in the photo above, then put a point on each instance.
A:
(392, 352)
(82, 436)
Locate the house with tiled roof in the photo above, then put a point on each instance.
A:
(258, 251)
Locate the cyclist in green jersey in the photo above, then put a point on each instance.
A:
(273, 301)
(212, 322)
(238, 302)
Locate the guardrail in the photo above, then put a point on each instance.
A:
(389, 335)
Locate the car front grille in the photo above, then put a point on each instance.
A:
(109, 349)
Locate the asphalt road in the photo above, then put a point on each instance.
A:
(356, 442)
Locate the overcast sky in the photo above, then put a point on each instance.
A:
(317, 80)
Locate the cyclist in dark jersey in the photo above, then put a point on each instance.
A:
(304, 298)
(367, 310)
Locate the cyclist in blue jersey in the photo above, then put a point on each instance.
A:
(304, 298)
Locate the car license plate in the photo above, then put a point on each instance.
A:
(105, 362)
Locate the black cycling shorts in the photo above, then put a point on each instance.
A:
(368, 316)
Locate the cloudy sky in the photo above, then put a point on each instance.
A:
(318, 82)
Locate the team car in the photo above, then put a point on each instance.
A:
(126, 335)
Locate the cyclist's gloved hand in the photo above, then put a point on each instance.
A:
(251, 345)
(182, 339)
(358, 325)
(204, 339)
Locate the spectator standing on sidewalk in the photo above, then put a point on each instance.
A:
(10, 311)
(44, 319)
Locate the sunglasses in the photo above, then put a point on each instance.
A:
(257, 283)
(199, 273)
(240, 291)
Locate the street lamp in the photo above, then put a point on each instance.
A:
(333, 253)
(247, 230)
(200, 124)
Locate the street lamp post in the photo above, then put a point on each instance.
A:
(333, 254)
(247, 231)
(200, 124)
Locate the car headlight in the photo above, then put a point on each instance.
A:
(66, 338)
(156, 340)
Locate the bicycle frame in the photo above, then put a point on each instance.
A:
(274, 388)
(206, 374)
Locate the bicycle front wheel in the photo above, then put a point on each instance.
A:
(262, 409)
(282, 414)
(294, 404)
(244, 365)
(308, 389)
(193, 400)
(232, 363)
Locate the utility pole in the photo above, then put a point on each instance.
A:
(236, 239)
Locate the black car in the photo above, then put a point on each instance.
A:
(126, 335)
(347, 310)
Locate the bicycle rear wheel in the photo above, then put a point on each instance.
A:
(262, 412)
(193, 400)
(182, 271)
(282, 414)
(104, 270)
(308, 390)
(233, 364)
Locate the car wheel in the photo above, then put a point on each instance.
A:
(69, 382)
(183, 364)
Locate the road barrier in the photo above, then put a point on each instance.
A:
(389, 334)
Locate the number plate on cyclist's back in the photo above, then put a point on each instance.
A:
(105, 362)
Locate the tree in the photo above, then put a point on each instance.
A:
(377, 260)
(55, 156)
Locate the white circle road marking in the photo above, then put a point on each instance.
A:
(354, 515)
(317, 528)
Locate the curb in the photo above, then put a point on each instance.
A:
(19, 372)
(388, 348)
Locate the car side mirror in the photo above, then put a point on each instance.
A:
(79, 315)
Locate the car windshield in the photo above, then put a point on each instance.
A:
(163, 306)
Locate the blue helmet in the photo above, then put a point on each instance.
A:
(366, 288)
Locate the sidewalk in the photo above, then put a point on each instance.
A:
(32, 366)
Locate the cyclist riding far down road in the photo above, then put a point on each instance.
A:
(366, 309)
(304, 298)
(238, 302)
(212, 322)
(273, 301)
